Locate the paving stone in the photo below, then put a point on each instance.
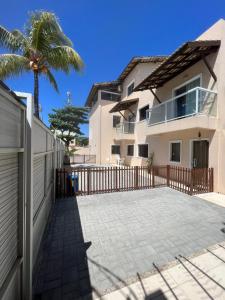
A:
(122, 233)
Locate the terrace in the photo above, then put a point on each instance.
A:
(196, 108)
(96, 244)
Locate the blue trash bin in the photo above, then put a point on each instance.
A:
(75, 183)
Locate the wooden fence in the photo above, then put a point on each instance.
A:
(86, 181)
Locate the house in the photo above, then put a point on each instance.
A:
(170, 106)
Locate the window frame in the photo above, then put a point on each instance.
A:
(141, 120)
(112, 148)
(113, 120)
(186, 82)
(111, 93)
(132, 82)
(146, 144)
(170, 151)
(133, 150)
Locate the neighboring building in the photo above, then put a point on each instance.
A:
(172, 106)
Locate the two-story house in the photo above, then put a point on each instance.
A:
(170, 106)
(113, 111)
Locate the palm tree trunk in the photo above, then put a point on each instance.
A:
(36, 94)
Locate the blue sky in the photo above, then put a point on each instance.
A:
(107, 34)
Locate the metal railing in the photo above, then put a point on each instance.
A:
(196, 101)
(125, 127)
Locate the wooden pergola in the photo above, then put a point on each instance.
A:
(183, 58)
(124, 105)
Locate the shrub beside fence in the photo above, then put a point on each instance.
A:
(86, 181)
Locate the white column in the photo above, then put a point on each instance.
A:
(28, 153)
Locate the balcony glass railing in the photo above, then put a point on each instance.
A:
(125, 127)
(195, 101)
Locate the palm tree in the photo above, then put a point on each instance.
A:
(42, 47)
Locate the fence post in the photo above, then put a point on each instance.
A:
(88, 181)
(54, 167)
(211, 179)
(116, 178)
(168, 175)
(153, 176)
(136, 177)
(28, 259)
(191, 183)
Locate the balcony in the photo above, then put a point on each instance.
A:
(125, 130)
(194, 107)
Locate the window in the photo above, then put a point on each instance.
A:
(130, 150)
(115, 149)
(175, 148)
(116, 121)
(143, 150)
(186, 103)
(130, 89)
(110, 96)
(143, 113)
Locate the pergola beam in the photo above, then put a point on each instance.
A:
(122, 115)
(154, 94)
(209, 68)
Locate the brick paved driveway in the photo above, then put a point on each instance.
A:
(100, 242)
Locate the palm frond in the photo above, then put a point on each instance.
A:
(9, 40)
(12, 64)
(63, 58)
(52, 80)
(45, 31)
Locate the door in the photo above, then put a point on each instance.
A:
(185, 105)
(200, 154)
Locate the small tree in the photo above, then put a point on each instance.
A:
(82, 141)
(66, 122)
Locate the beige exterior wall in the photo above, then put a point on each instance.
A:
(81, 150)
(158, 137)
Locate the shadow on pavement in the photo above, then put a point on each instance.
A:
(61, 270)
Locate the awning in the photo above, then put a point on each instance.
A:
(183, 58)
(123, 105)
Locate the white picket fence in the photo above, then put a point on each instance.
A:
(29, 155)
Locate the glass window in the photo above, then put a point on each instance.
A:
(175, 151)
(116, 121)
(130, 150)
(130, 88)
(143, 150)
(143, 113)
(110, 96)
(115, 149)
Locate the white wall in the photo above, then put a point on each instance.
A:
(22, 138)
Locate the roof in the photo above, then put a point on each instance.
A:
(113, 85)
(110, 85)
(123, 105)
(184, 57)
(139, 59)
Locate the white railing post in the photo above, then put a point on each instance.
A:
(197, 98)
